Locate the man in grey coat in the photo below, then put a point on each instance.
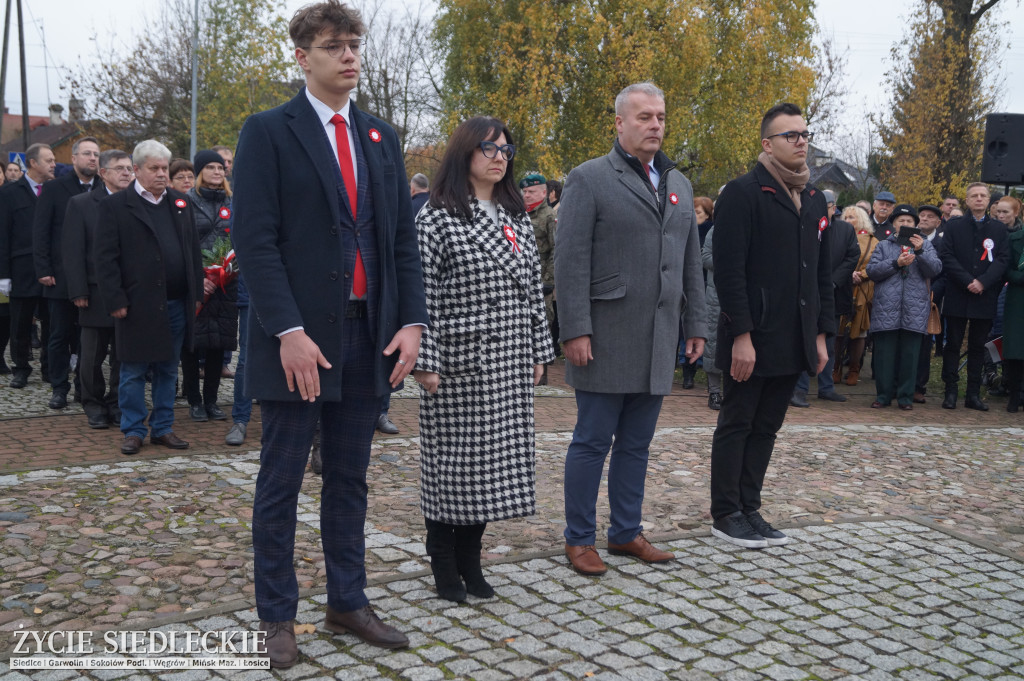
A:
(627, 272)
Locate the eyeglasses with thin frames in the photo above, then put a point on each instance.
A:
(792, 136)
(119, 169)
(490, 150)
(336, 48)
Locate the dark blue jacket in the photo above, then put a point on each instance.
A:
(289, 231)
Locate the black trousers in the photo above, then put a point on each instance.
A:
(190, 375)
(62, 342)
(977, 336)
(98, 344)
(22, 311)
(924, 365)
(752, 413)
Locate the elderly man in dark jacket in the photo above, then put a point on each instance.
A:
(150, 278)
(902, 268)
(975, 251)
(97, 336)
(774, 280)
(844, 255)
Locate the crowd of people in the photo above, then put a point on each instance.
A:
(356, 278)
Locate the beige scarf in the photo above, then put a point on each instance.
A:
(794, 182)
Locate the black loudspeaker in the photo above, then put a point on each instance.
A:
(1002, 161)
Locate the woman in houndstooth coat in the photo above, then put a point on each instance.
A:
(484, 351)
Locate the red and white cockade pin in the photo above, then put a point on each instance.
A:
(822, 224)
(510, 234)
(673, 199)
(374, 135)
(225, 213)
(180, 203)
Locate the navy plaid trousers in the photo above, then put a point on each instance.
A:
(346, 431)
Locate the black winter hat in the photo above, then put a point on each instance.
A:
(204, 158)
(904, 209)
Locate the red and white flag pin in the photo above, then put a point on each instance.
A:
(225, 213)
(673, 199)
(374, 135)
(180, 203)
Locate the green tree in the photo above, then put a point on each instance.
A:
(941, 90)
(143, 89)
(552, 68)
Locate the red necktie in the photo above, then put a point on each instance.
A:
(39, 189)
(348, 176)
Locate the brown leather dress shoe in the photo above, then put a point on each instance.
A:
(364, 624)
(131, 445)
(919, 398)
(169, 440)
(642, 549)
(281, 647)
(585, 560)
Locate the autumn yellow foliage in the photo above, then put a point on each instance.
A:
(552, 68)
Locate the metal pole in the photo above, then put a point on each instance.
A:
(3, 64)
(24, 81)
(195, 81)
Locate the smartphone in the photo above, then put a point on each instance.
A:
(905, 233)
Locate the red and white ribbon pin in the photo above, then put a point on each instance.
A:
(511, 236)
(989, 245)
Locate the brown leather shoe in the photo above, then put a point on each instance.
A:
(364, 624)
(852, 376)
(642, 549)
(919, 398)
(585, 560)
(169, 440)
(131, 445)
(281, 648)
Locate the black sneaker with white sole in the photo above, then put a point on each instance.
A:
(736, 529)
(763, 528)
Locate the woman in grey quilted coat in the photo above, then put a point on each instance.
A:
(899, 316)
(485, 349)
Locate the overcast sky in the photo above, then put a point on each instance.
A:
(867, 27)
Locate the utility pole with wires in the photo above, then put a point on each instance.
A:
(3, 65)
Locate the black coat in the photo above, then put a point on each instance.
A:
(213, 216)
(217, 322)
(773, 273)
(130, 273)
(48, 226)
(288, 233)
(845, 254)
(17, 212)
(962, 251)
(78, 237)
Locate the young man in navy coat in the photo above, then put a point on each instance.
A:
(325, 234)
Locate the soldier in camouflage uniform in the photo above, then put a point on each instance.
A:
(534, 188)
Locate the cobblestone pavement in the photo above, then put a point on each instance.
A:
(937, 593)
(871, 600)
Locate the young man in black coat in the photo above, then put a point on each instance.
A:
(975, 251)
(774, 279)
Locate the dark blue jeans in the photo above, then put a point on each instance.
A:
(346, 431)
(132, 391)
(629, 420)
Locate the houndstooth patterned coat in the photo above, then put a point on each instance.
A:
(487, 330)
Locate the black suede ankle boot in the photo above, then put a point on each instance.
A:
(440, 546)
(467, 555)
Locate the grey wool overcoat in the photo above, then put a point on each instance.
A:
(627, 272)
(487, 330)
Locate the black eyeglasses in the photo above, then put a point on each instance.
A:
(336, 48)
(491, 150)
(792, 136)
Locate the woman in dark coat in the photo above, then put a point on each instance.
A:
(1008, 210)
(899, 315)
(485, 349)
(216, 326)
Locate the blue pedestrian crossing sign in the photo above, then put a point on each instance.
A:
(17, 157)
